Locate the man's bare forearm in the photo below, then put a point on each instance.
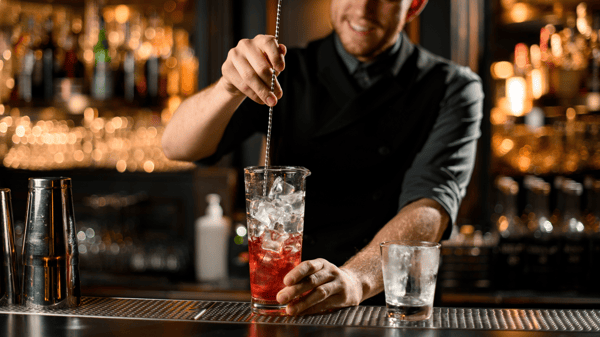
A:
(422, 220)
(199, 122)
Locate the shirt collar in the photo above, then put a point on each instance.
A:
(352, 63)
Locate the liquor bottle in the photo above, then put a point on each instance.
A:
(509, 253)
(48, 48)
(574, 250)
(542, 246)
(124, 74)
(101, 82)
(25, 55)
(592, 221)
(593, 80)
(37, 75)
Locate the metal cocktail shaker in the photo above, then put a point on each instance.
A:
(50, 255)
(9, 284)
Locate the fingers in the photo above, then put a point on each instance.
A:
(249, 68)
(320, 298)
(302, 270)
(320, 281)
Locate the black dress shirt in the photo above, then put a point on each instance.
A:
(371, 151)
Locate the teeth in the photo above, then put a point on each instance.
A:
(359, 28)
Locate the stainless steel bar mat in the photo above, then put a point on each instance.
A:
(366, 316)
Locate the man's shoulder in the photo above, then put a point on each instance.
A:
(430, 63)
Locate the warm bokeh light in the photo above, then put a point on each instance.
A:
(121, 13)
(537, 83)
(520, 12)
(77, 104)
(571, 114)
(516, 94)
(502, 70)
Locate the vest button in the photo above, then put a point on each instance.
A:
(377, 195)
(384, 150)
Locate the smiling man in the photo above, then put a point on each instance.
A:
(388, 130)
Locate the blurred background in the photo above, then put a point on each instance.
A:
(86, 88)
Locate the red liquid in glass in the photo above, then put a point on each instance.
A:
(268, 268)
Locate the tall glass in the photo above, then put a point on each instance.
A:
(275, 218)
(409, 275)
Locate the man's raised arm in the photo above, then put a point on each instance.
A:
(200, 121)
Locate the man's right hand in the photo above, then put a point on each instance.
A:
(248, 69)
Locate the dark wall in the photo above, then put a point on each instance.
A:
(435, 28)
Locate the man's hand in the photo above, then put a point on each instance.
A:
(249, 67)
(315, 286)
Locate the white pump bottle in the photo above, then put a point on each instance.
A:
(212, 234)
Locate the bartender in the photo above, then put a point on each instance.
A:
(388, 130)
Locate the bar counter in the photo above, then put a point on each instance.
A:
(109, 316)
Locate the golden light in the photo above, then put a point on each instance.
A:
(516, 94)
(77, 104)
(173, 103)
(113, 38)
(10, 83)
(121, 13)
(502, 223)
(145, 50)
(36, 131)
(76, 25)
(97, 155)
(583, 27)
(556, 45)
(78, 155)
(524, 163)
(109, 14)
(89, 114)
(134, 43)
(571, 114)
(59, 157)
(88, 55)
(593, 101)
(121, 166)
(1, 65)
(7, 54)
(3, 127)
(536, 55)
(2, 109)
(497, 116)
(150, 33)
(170, 6)
(117, 122)
(537, 83)
(149, 166)
(502, 70)
(506, 146)
(20, 131)
(521, 57)
(520, 12)
(88, 147)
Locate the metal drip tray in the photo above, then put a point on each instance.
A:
(365, 316)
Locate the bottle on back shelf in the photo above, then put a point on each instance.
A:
(542, 246)
(509, 253)
(574, 250)
(212, 239)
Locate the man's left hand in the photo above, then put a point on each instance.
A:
(316, 286)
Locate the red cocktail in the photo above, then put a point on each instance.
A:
(275, 219)
(268, 268)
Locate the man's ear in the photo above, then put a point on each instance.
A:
(415, 9)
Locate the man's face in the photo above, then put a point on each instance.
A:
(368, 27)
